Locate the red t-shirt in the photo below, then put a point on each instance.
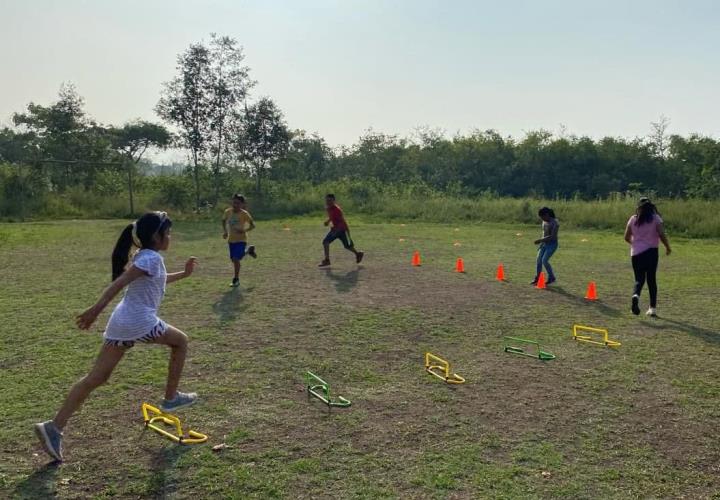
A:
(335, 215)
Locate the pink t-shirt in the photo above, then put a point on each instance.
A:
(644, 236)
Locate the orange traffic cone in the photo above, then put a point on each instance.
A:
(500, 275)
(541, 282)
(416, 259)
(459, 266)
(591, 291)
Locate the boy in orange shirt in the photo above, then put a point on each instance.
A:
(338, 231)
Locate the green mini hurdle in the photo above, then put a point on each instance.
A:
(515, 345)
(320, 389)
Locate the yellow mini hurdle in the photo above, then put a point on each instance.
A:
(167, 419)
(440, 368)
(590, 336)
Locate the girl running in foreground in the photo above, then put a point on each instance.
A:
(644, 231)
(133, 320)
(548, 244)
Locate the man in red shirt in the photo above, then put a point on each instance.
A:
(338, 231)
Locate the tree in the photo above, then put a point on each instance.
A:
(659, 140)
(65, 136)
(262, 137)
(308, 158)
(229, 85)
(186, 103)
(132, 141)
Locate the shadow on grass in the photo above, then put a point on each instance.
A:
(344, 282)
(40, 484)
(710, 336)
(604, 308)
(231, 304)
(164, 475)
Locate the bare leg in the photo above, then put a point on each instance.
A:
(177, 341)
(105, 363)
(236, 265)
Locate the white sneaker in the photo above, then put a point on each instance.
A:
(651, 312)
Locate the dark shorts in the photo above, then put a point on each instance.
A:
(343, 236)
(237, 250)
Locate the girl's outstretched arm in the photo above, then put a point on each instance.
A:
(88, 317)
(189, 268)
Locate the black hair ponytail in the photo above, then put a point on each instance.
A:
(121, 252)
(645, 213)
(145, 229)
(546, 210)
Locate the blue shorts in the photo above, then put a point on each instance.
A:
(237, 250)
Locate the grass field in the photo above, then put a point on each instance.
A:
(640, 421)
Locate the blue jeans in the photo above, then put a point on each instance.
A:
(546, 251)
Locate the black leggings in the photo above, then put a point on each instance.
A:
(645, 268)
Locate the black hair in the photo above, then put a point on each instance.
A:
(645, 211)
(546, 210)
(239, 197)
(145, 229)
(330, 195)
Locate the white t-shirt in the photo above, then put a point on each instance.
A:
(136, 314)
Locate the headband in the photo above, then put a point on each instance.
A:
(136, 240)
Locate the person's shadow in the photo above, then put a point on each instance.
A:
(231, 304)
(344, 282)
(163, 458)
(39, 484)
(710, 336)
(604, 308)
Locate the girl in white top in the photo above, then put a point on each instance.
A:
(133, 320)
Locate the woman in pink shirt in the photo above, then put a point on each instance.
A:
(644, 231)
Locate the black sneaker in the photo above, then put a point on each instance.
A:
(635, 308)
(235, 283)
(324, 263)
(359, 257)
(551, 281)
(251, 251)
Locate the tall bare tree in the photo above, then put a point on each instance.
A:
(229, 85)
(186, 103)
(659, 139)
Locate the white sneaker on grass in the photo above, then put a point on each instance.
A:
(652, 312)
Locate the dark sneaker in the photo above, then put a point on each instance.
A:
(551, 280)
(324, 263)
(235, 283)
(534, 282)
(51, 439)
(181, 400)
(635, 308)
(359, 257)
(251, 251)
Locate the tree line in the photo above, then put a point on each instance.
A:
(208, 109)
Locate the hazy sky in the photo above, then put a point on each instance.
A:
(340, 67)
